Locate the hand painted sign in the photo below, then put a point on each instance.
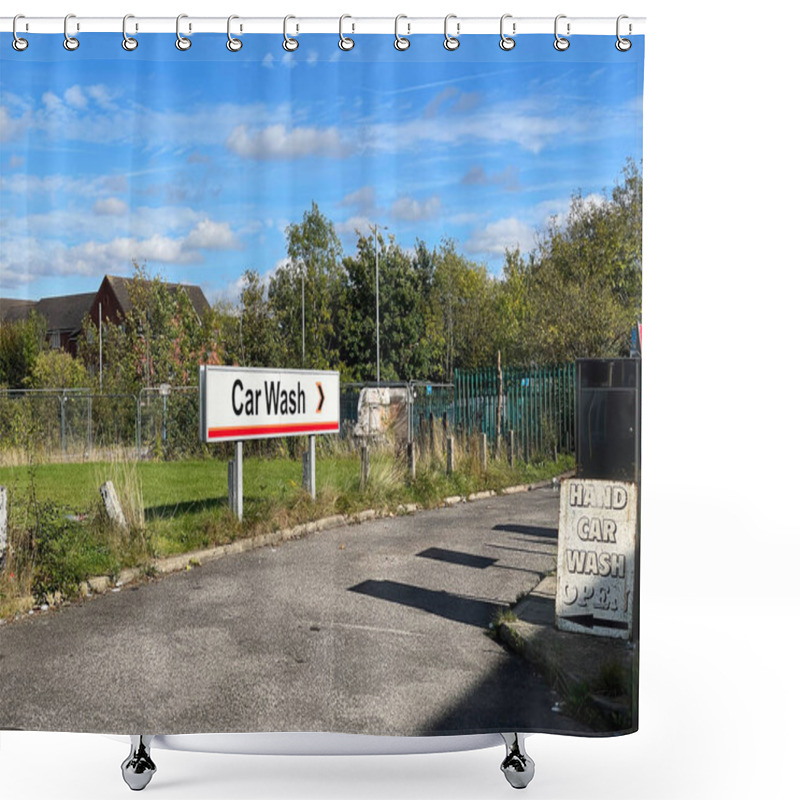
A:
(596, 557)
(238, 403)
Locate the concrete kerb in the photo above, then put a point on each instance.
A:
(572, 663)
(100, 584)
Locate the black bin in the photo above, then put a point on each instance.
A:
(608, 418)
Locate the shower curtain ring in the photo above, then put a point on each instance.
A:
(561, 43)
(622, 44)
(345, 43)
(506, 42)
(70, 42)
(290, 44)
(400, 42)
(181, 42)
(233, 44)
(451, 42)
(128, 42)
(19, 44)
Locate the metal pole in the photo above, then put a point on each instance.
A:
(239, 499)
(312, 467)
(377, 315)
(63, 424)
(303, 292)
(100, 327)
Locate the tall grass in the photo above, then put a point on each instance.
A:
(59, 533)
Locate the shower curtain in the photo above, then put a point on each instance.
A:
(447, 230)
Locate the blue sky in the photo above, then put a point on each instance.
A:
(196, 161)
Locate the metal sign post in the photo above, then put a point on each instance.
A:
(239, 404)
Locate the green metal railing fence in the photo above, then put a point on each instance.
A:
(538, 405)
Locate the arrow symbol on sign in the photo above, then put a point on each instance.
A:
(591, 621)
(321, 397)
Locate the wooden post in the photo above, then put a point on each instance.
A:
(482, 448)
(112, 505)
(451, 459)
(412, 461)
(3, 525)
(364, 466)
(511, 448)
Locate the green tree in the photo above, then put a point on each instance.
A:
(466, 325)
(587, 276)
(55, 369)
(313, 273)
(259, 344)
(404, 295)
(20, 344)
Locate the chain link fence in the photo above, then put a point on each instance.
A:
(161, 422)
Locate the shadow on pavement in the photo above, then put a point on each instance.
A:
(443, 604)
(457, 557)
(511, 698)
(529, 530)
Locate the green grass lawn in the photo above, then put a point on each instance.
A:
(181, 506)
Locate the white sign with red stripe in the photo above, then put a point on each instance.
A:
(238, 403)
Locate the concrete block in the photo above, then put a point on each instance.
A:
(112, 505)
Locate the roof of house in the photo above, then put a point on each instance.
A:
(13, 310)
(195, 293)
(66, 312)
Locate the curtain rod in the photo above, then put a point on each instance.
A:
(408, 26)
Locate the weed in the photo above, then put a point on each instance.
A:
(502, 616)
(613, 680)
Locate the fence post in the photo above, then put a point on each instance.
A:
(412, 460)
(482, 447)
(451, 461)
(63, 400)
(89, 424)
(3, 524)
(511, 448)
(364, 466)
(431, 437)
(138, 405)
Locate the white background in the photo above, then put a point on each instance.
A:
(719, 598)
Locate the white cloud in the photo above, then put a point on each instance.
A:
(51, 101)
(209, 235)
(31, 253)
(75, 97)
(354, 225)
(362, 200)
(279, 142)
(503, 234)
(408, 209)
(12, 127)
(110, 206)
(15, 162)
(507, 178)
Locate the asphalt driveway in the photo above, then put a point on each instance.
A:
(376, 628)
